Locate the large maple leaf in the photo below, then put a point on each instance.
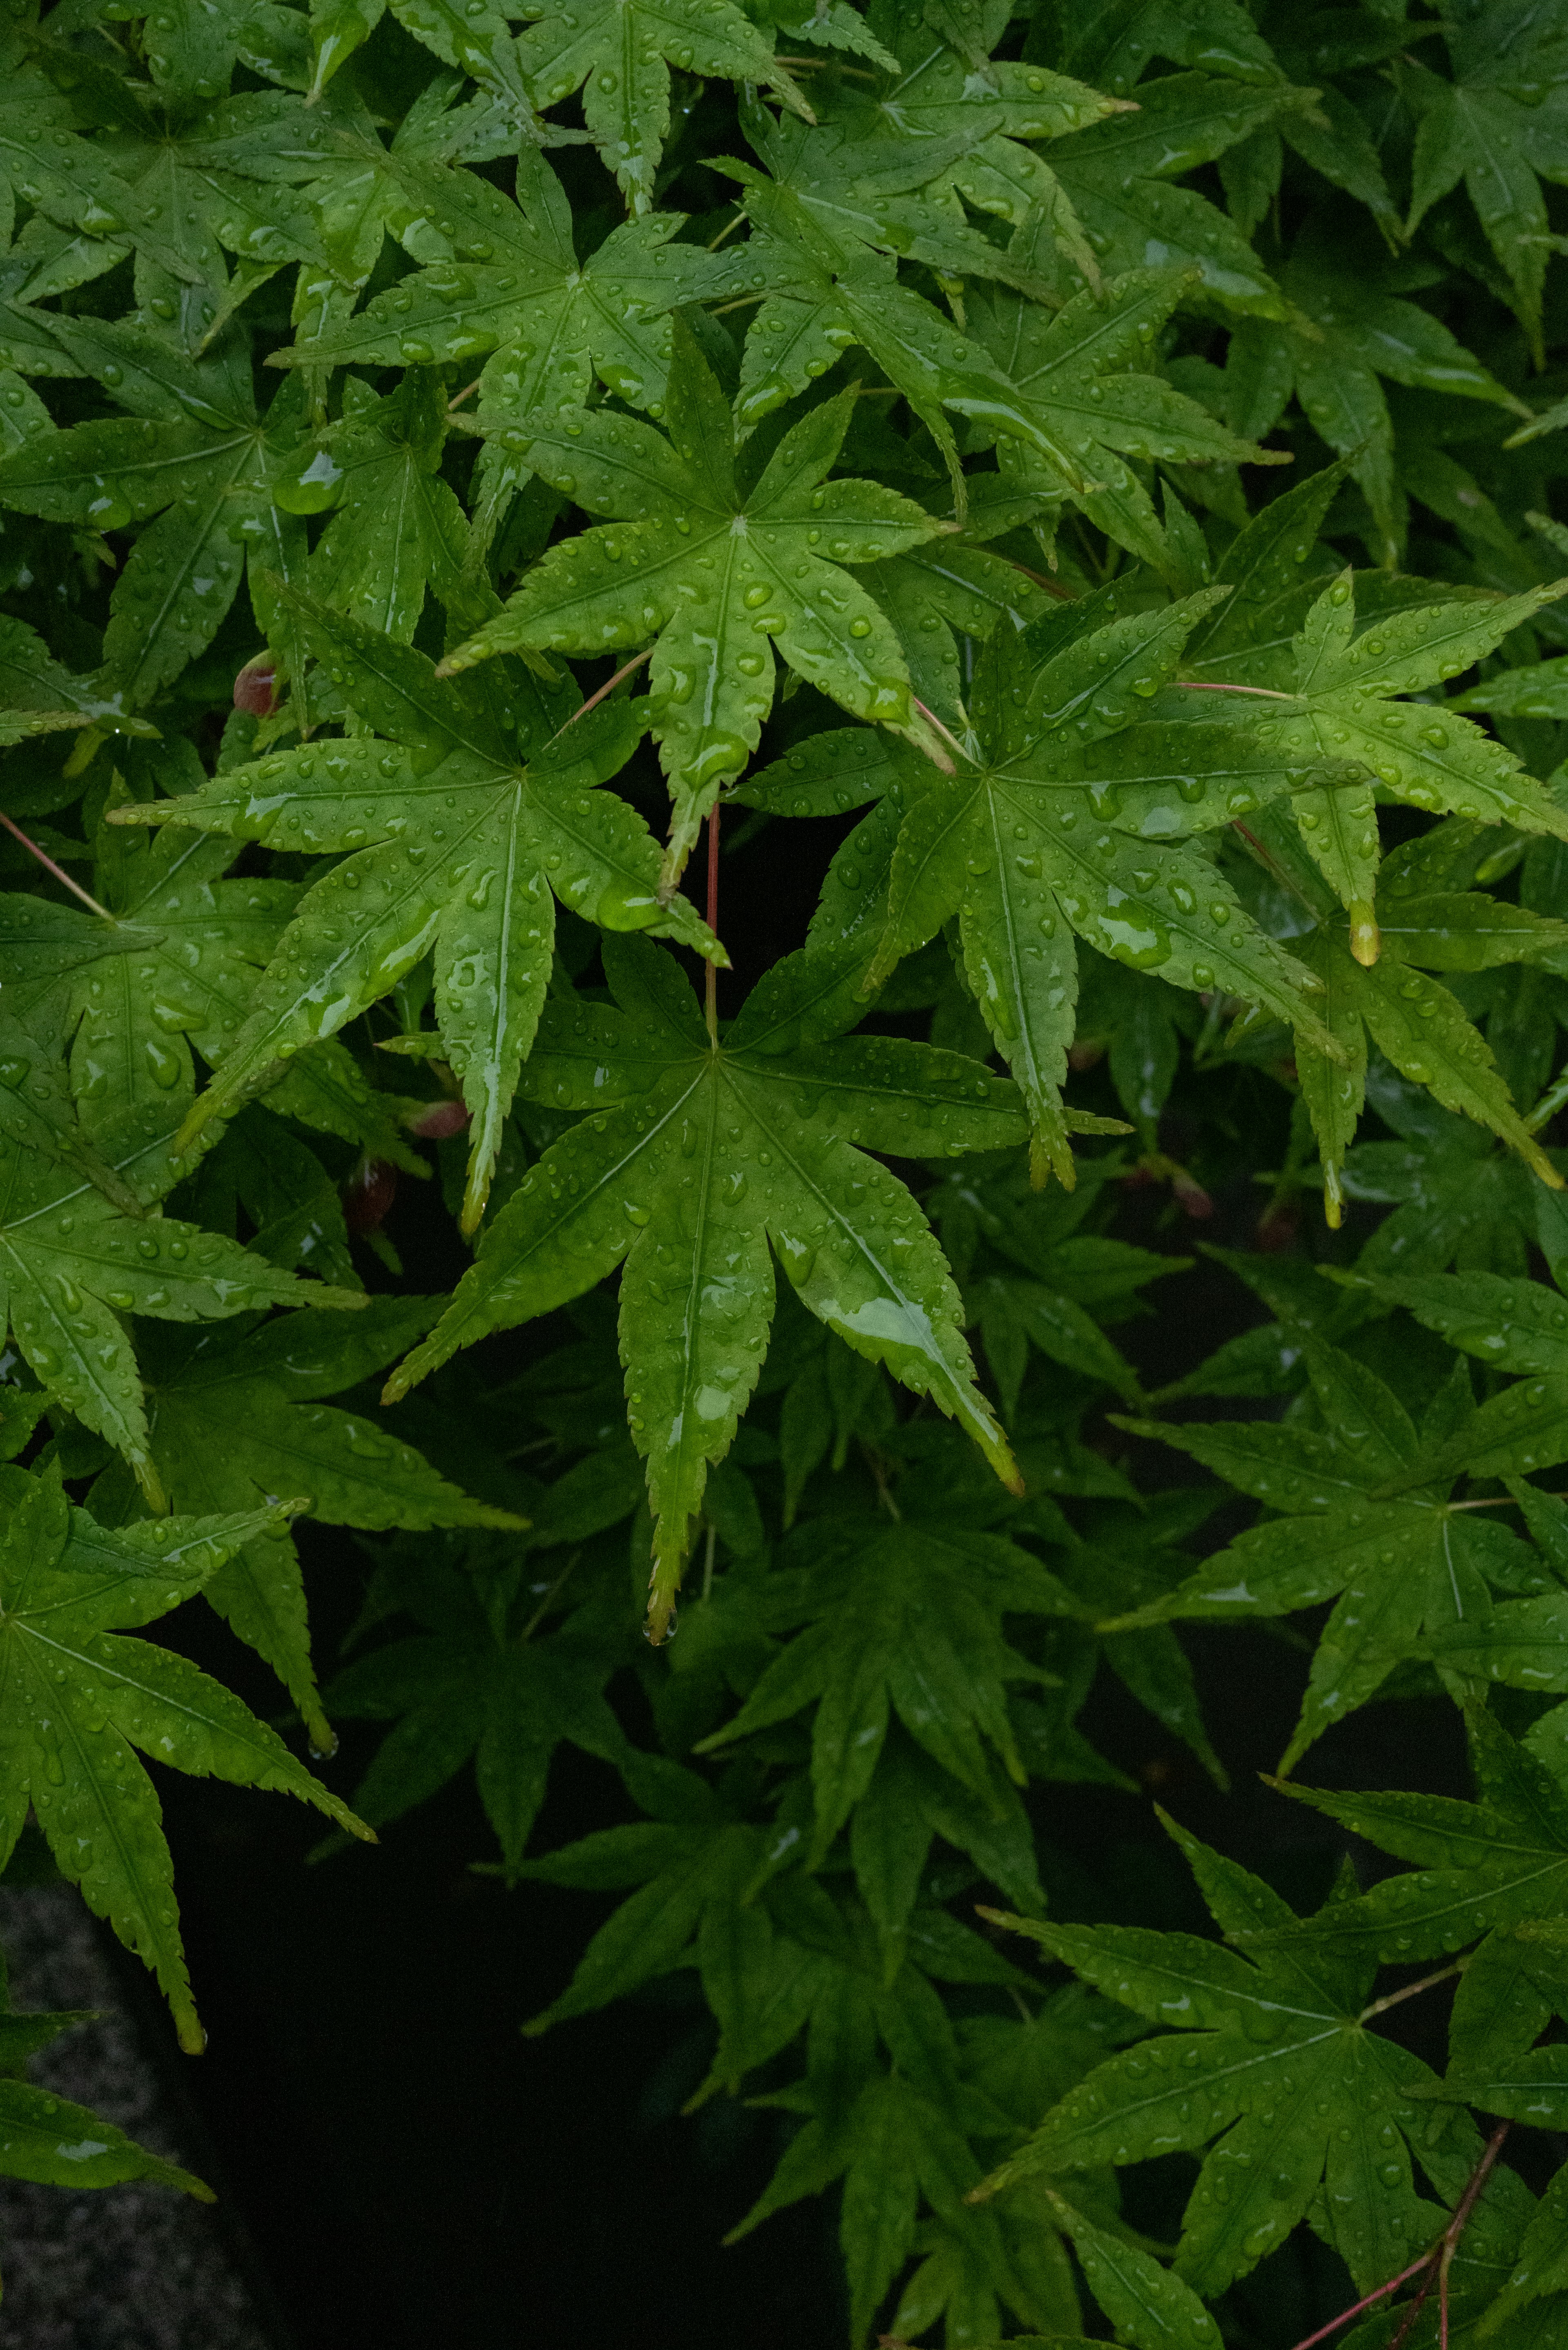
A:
(76, 1700)
(1069, 815)
(712, 1150)
(618, 53)
(717, 567)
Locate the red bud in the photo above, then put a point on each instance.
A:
(442, 1118)
(368, 1194)
(255, 686)
(1192, 1196)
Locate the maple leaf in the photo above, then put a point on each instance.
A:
(880, 1598)
(826, 288)
(953, 90)
(1089, 408)
(229, 1423)
(1306, 2104)
(479, 1680)
(1069, 818)
(1494, 1869)
(1118, 174)
(38, 1113)
(1308, 2112)
(79, 1698)
(515, 286)
(716, 566)
(618, 53)
(199, 942)
(1369, 1519)
(70, 180)
(50, 2141)
(1116, 46)
(1345, 686)
(71, 1263)
(193, 454)
(1419, 1024)
(510, 810)
(1498, 126)
(711, 1151)
(1346, 329)
(858, 181)
(397, 530)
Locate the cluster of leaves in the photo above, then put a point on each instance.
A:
(862, 430)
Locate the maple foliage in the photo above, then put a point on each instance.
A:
(920, 646)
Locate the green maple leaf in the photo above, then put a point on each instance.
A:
(38, 1114)
(514, 287)
(231, 1422)
(475, 1684)
(1417, 1022)
(1369, 1518)
(199, 942)
(1498, 125)
(1042, 1281)
(1345, 688)
(711, 1151)
(191, 46)
(1345, 333)
(716, 566)
(510, 810)
(825, 288)
(777, 1954)
(193, 453)
(1069, 815)
(477, 39)
(684, 1867)
(67, 179)
(1117, 175)
(77, 1700)
(397, 530)
(1299, 2099)
(38, 695)
(863, 184)
(52, 2143)
(1115, 47)
(952, 89)
(71, 1263)
(1453, 1195)
(620, 55)
(43, 947)
(1089, 406)
(903, 1621)
(1495, 1868)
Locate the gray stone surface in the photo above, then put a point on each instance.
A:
(124, 2268)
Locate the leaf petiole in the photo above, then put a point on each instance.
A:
(49, 866)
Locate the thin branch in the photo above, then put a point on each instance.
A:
(534, 1620)
(49, 866)
(711, 984)
(739, 303)
(855, 73)
(714, 243)
(1042, 580)
(1366, 2303)
(1395, 1998)
(1502, 1502)
(1272, 864)
(608, 686)
(932, 718)
(459, 397)
(1439, 2259)
(1436, 2261)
